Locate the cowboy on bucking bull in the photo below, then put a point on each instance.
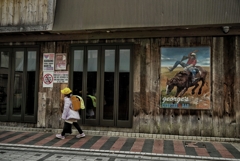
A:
(191, 75)
(190, 65)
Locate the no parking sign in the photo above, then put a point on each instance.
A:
(48, 79)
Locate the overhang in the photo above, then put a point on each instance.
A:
(82, 15)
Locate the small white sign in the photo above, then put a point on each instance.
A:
(48, 61)
(48, 79)
(60, 77)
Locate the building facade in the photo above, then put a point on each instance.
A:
(116, 56)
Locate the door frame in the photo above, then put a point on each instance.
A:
(99, 121)
(23, 118)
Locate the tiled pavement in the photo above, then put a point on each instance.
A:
(125, 145)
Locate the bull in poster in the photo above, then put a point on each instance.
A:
(185, 75)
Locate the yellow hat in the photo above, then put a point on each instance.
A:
(66, 91)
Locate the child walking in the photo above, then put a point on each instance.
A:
(70, 116)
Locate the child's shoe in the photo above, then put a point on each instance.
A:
(59, 136)
(80, 135)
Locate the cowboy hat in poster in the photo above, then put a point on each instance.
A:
(185, 76)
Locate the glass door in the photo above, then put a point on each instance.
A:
(4, 84)
(108, 82)
(31, 91)
(102, 76)
(116, 88)
(18, 84)
(124, 112)
(92, 84)
(85, 80)
(77, 76)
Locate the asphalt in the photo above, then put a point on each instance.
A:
(203, 148)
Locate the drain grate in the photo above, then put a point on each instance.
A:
(194, 145)
(37, 155)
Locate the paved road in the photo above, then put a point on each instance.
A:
(44, 146)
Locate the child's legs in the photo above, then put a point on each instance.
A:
(75, 124)
(67, 128)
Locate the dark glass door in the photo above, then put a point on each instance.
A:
(101, 75)
(4, 83)
(92, 84)
(108, 83)
(18, 84)
(85, 80)
(124, 113)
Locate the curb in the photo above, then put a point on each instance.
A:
(125, 134)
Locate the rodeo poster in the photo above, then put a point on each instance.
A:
(185, 76)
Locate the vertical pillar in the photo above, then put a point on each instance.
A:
(237, 84)
(41, 119)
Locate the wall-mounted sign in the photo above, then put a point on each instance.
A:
(48, 61)
(60, 77)
(48, 79)
(61, 61)
(185, 77)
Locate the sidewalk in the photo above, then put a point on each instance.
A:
(148, 146)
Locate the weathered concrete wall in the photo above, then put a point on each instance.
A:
(26, 15)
